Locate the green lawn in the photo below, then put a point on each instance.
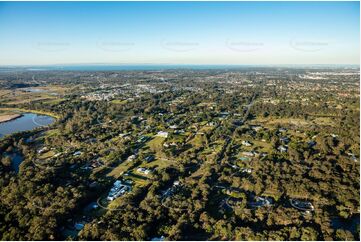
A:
(119, 101)
(54, 101)
(47, 155)
(197, 141)
(158, 163)
(156, 145)
(121, 168)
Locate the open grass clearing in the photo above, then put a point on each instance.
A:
(119, 101)
(158, 163)
(156, 145)
(198, 141)
(46, 155)
(324, 121)
(120, 169)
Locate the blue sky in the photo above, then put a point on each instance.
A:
(40, 33)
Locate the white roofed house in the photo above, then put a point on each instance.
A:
(76, 153)
(43, 150)
(211, 124)
(161, 238)
(131, 157)
(117, 190)
(246, 143)
(247, 153)
(282, 148)
(285, 140)
(246, 170)
(163, 134)
(57, 154)
(143, 170)
(117, 183)
(256, 127)
(282, 130)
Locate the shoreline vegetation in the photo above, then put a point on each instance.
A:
(27, 111)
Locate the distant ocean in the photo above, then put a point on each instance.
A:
(150, 67)
(118, 67)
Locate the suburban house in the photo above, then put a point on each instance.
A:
(117, 190)
(143, 170)
(163, 134)
(282, 130)
(76, 153)
(282, 148)
(285, 140)
(149, 158)
(246, 170)
(246, 143)
(42, 150)
(247, 153)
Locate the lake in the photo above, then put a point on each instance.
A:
(26, 122)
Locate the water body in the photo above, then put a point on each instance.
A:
(141, 67)
(16, 159)
(126, 67)
(35, 90)
(38, 90)
(350, 224)
(157, 67)
(26, 122)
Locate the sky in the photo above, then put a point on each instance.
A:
(219, 33)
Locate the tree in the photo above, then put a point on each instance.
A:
(308, 233)
(6, 161)
(244, 233)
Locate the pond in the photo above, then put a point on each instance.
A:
(38, 90)
(35, 90)
(16, 159)
(350, 224)
(27, 121)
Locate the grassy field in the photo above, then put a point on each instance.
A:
(20, 97)
(27, 100)
(5, 93)
(197, 141)
(324, 121)
(52, 132)
(158, 163)
(46, 155)
(156, 145)
(271, 122)
(119, 101)
(206, 129)
(50, 94)
(54, 101)
(120, 169)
